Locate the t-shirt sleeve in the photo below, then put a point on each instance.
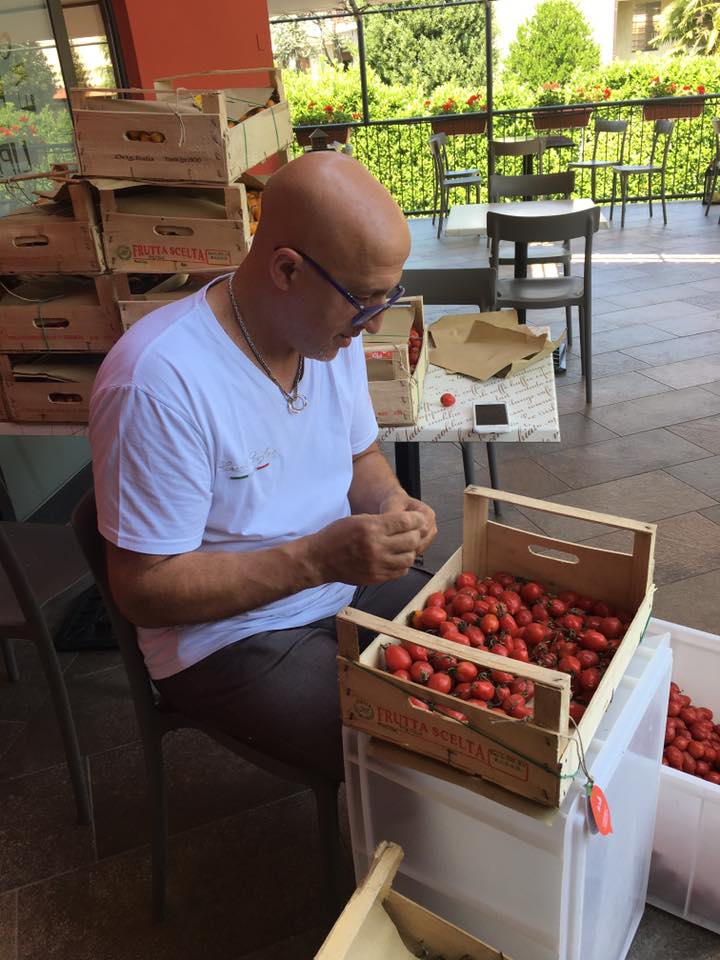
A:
(152, 471)
(364, 428)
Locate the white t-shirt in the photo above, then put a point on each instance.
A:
(194, 449)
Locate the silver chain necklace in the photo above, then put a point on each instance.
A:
(296, 402)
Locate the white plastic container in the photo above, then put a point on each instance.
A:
(539, 884)
(685, 867)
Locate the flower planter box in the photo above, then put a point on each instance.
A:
(562, 119)
(682, 109)
(337, 134)
(459, 124)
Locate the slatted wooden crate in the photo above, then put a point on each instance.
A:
(59, 314)
(395, 390)
(380, 924)
(59, 233)
(39, 389)
(170, 228)
(536, 758)
(135, 305)
(196, 135)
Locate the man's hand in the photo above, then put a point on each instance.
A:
(368, 548)
(400, 503)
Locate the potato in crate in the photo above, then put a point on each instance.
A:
(196, 134)
(380, 924)
(509, 717)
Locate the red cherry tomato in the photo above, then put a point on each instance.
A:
(531, 592)
(489, 623)
(415, 650)
(432, 617)
(466, 579)
(482, 689)
(593, 640)
(402, 674)
(465, 672)
(421, 671)
(447, 399)
(440, 681)
(397, 658)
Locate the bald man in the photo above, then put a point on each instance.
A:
(239, 485)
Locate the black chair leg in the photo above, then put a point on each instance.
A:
(612, 198)
(662, 198)
(568, 310)
(335, 879)
(586, 322)
(157, 789)
(11, 667)
(650, 197)
(494, 476)
(61, 702)
(623, 196)
(468, 463)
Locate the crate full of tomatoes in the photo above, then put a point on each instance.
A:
(397, 359)
(509, 655)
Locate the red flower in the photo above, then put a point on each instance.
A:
(428, 102)
(32, 129)
(8, 133)
(687, 87)
(607, 93)
(23, 119)
(311, 105)
(15, 127)
(701, 88)
(356, 116)
(328, 109)
(655, 80)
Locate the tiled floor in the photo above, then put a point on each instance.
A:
(244, 874)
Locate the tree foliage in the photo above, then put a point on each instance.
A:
(291, 44)
(25, 72)
(691, 26)
(428, 47)
(552, 45)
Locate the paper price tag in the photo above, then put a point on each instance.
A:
(598, 809)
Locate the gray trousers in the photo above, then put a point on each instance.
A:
(278, 690)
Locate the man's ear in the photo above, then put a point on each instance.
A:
(284, 267)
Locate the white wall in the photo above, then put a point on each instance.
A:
(600, 14)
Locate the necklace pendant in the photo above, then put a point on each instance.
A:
(297, 403)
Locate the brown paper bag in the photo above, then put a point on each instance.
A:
(484, 345)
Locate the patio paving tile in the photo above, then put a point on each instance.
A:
(621, 457)
(604, 365)
(704, 475)
(661, 936)
(713, 387)
(663, 410)
(692, 602)
(647, 496)
(712, 513)
(704, 432)
(627, 299)
(529, 478)
(625, 386)
(628, 336)
(688, 373)
(673, 351)
(685, 546)
(666, 310)
(8, 926)
(699, 322)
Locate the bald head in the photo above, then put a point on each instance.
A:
(330, 206)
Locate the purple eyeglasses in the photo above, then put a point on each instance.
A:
(364, 314)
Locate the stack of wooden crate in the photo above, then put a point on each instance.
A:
(161, 203)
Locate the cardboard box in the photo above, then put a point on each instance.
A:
(58, 233)
(195, 135)
(59, 313)
(380, 924)
(533, 758)
(38, 389)
(164, 228)
(395, 391)
(134, 306)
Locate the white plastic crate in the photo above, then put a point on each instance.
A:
(685, 866)
(538, 882)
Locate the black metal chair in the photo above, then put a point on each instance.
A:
(518, 147)
(662, 130)
(542, 293)
(607, 133)
(541, 185)
(156, 718)
(474, 286)
(447, 180)
(714, 168)
(43, 565)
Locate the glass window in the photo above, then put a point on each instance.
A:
(645, 22)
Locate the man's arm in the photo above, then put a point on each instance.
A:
(195, 587)
(375, 489)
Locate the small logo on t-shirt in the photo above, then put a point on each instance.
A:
(257, 460)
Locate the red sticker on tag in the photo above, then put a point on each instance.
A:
(600, 810)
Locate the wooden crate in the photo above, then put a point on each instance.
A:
(380, 924)
(37, 389)
(133, 307)
(59, 233)
(396, 393)
(168, 228)
(55, 313)
(194, 135)
(533, 759)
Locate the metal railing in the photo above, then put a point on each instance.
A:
(397, 151)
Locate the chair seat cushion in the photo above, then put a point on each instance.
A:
(53, 564)
(637, 168)
(537, 253)
(541, 292)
